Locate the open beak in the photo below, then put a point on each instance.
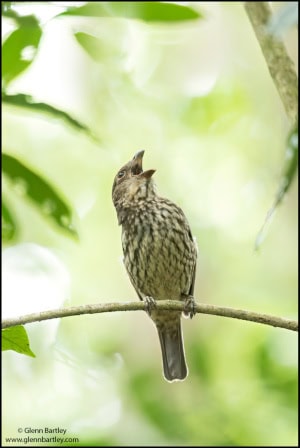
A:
(137, 163)
(137, 166)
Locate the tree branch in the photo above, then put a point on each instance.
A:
(162, 305)
(280, 65)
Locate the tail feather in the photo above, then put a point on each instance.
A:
(171, 343)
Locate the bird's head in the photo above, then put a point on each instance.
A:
(132, 183)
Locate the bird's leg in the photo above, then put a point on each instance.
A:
(150, 304)
(189, 305)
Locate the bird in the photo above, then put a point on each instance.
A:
(160, 256)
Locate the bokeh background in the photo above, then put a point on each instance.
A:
(197, 96)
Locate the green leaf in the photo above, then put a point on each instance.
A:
(8, 224)
(91, 45)
(283, 19)
(25, 21)
(40, 192)
(16, 338)
(5, 7)
(147, 11)
(288, 173)
(26, 101)
(8, 12)
(19, 49)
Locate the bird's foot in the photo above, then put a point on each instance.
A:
(150, 304)
(189, 306)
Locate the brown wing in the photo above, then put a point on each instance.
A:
(190, 298)
(191, 290)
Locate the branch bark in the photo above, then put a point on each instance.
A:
(162, 305)
(280, 65)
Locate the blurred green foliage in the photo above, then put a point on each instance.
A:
(189, 85)
(14, 58)
(31, 185)
(287, 177)
(9, 226)
(27, 102)
(147, 11)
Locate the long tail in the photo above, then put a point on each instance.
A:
(172, 350)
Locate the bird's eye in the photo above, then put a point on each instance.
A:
(121, 174)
